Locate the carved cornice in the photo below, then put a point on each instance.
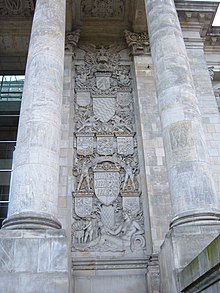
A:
(138, 42)
(110, 264)
(193, 13)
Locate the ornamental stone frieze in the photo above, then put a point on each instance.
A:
(16, 7)
(107, 201)
(102, 9)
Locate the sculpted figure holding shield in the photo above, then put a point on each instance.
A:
(84, 175)
(129, 174)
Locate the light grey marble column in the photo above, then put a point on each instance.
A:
(192, 190)
(34, 189)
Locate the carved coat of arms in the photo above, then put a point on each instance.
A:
(103, 82)
(125, 145)
(106, 185)
(85, 145)
(83, 206)
(83, 98)
(104, 108)
(124, 98)
(105, 145)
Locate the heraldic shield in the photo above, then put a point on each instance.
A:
(107, 186)
(83, 206)
(104, 108)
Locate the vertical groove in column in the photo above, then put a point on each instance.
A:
(192, 189)
(34, 190)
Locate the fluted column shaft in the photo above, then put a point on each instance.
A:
(34, 190)
(192, 189)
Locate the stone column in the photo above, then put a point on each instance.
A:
(34, 190)
(193, 193)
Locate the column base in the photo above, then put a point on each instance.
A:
(181, 245)
(31, 221)
(195, 217)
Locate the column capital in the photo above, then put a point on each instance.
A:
(138, 42)
(71, 40)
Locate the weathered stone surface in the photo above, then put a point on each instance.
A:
(110, 282)
(184, 139)
(150, 136)
(182, 244)
(33, 261)
(203, 272)
(36, 166)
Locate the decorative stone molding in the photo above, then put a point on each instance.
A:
(16, 7)
(102, 9)
(72, 39)
(138, 42)
(111, 264)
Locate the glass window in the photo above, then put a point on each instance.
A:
(11, 88)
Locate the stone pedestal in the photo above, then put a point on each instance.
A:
(34, 189)
(182, 244)
(33, 261)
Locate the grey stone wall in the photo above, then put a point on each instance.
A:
(33, 261)
(66, 148)
(203, 273)
(153, 150)
(208, 108)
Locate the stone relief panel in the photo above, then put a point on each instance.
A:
(107, 201)
(16, 7)
(102, 9)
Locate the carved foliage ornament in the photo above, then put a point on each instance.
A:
(72, 39)
(138, 42)
(102, 9)
(16, 7)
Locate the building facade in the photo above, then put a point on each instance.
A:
(115, 184)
